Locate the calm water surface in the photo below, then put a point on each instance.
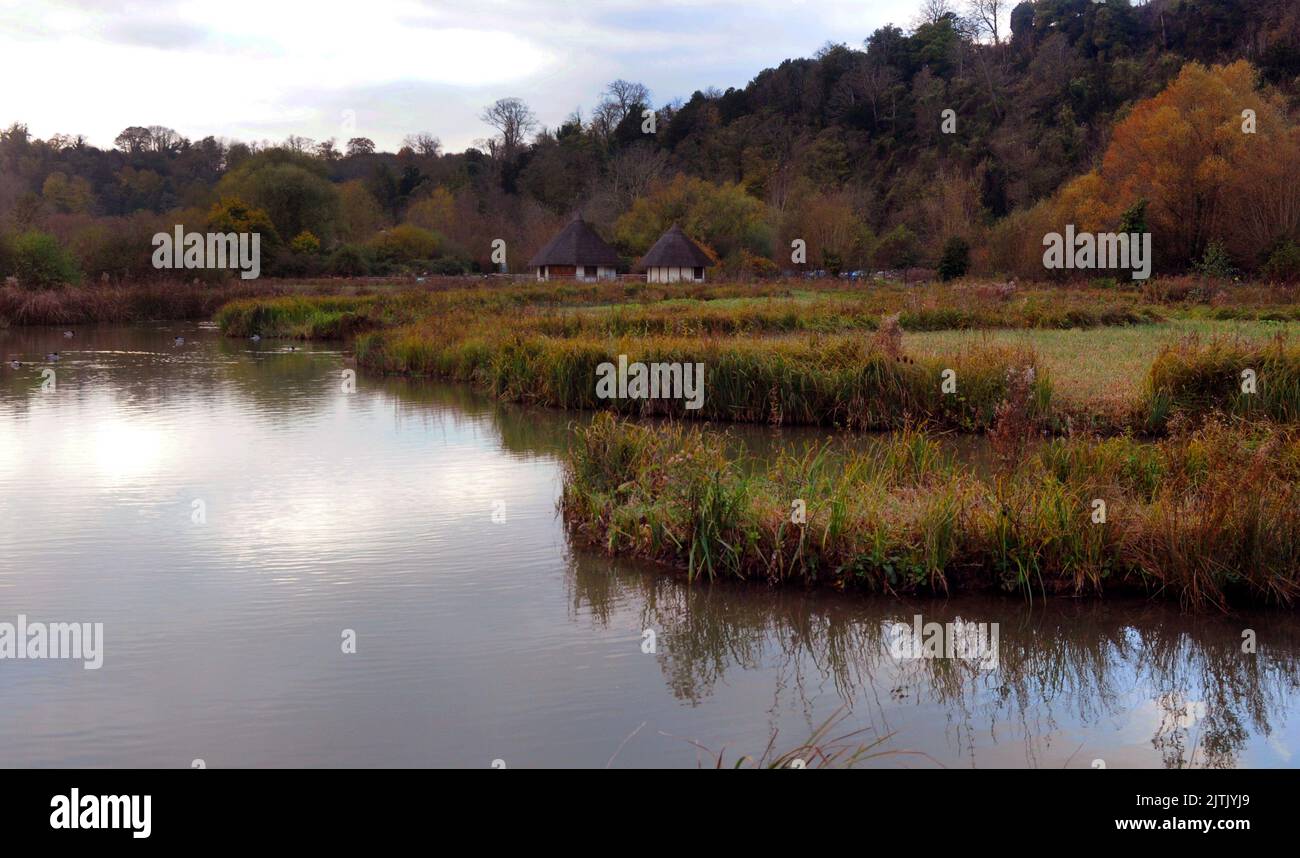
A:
(482, 639)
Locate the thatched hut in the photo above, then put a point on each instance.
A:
(674, 257)
(576, 253)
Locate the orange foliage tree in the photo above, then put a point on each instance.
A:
(1215, 157)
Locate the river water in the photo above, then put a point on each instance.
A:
(235, 518)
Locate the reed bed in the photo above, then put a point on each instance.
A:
(317, 318)
(902, 517)
(619, 309)
(785, 355)
(121, 304)
(831, 315)
(1197, 377)
(844, 382)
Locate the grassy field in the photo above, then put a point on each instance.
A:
(863, 356)
(1101, 368)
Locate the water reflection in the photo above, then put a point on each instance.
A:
(1081, 664)
(485, 639)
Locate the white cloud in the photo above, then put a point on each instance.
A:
(253, 69)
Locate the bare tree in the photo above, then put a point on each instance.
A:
(513, 121)
(634, 170)
(133, 139)
(301, 145)
(424, 143)
(868, 83)
(604, 119)
(934, 11)
(624, 95)
(164, 139)
(987, 17)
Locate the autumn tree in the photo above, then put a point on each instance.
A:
(934, 11)
(722, 216)
(133, 139)
(1212, 155)
(405, 243)
(828, 223)
(434, 212)
(67, 195)
(635, 170)
(290, 187)
(231, 214)
(359, 214)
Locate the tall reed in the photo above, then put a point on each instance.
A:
(1075, 516)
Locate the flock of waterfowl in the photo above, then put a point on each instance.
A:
(53, 357)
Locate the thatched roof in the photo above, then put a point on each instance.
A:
(576, 244)
(674, 249)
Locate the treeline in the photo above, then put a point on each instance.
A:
(1111, 114)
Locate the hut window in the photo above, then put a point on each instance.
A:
(588, 271)
(698, 273)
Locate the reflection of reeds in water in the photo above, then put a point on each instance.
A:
(1082, 663)
(825, 748)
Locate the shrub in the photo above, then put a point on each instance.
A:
(40, 261)
(305, 242)
(1284, 263)
(448, 266)
(287, 262)
(405, 243)
(955, 260)
(897, 248)
(6, 255)
(1215, 263)
(115, 249)
(762, 267)
(349, 261)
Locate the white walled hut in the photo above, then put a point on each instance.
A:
(576, 253)
(674, 257)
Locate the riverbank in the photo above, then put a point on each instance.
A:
(1072, 517)
(141, 302)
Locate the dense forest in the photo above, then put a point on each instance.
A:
(959, 134)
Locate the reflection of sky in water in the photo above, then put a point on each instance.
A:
(480, 640)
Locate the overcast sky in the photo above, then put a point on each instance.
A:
(265, 69)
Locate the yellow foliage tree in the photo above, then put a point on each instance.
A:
(1216, 160)
(359, 214)
(435, 211)
(723, 217)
